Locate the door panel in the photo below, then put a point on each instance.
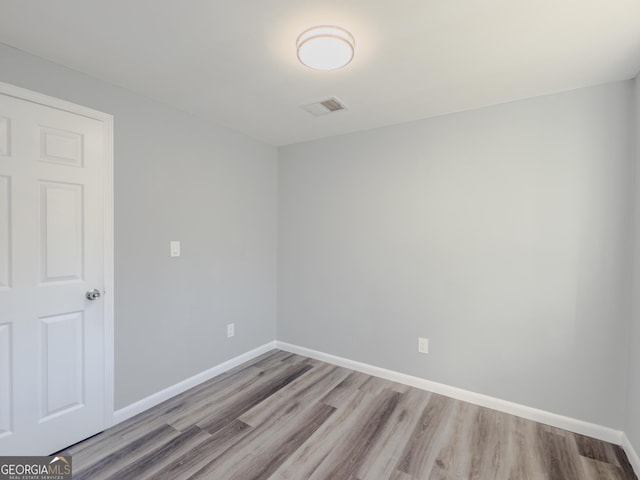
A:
(62, 255)
(61, 147)
(6, 393)
(5, 232)
(62, 360)
(4, 136)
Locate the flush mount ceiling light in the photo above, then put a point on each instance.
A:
(325, 47)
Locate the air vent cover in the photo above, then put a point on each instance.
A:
(324, 107)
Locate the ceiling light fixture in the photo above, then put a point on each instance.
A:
(325, 47)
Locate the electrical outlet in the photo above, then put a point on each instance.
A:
(231, 330)
(423, 345)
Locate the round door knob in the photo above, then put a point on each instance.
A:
(93, 294)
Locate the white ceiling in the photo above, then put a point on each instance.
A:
(233, 62)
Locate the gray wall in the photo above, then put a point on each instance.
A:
(632, 428)
(501, 234)
(177, 178)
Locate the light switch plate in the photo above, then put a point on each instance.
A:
(423, 345)
(175, 248)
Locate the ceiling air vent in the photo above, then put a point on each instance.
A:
(324, 107)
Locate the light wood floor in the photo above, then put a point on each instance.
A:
(284, 416)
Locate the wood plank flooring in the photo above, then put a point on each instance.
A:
(283, 416)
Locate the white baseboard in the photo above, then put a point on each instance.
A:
(159, 397)
(632, 455)
(571, 424)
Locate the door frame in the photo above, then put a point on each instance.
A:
(108, 201)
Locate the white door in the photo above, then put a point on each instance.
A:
(52, 337)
